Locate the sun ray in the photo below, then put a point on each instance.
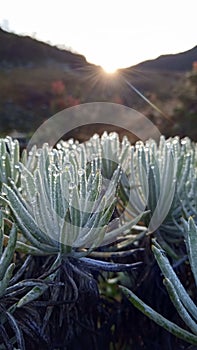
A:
(120, 83)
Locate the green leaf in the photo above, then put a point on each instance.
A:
(37, 291)
(26, 221)
(191, 242)
(179, 306)
(169, 273)
(159, 319)
(8, 253)
(6, 279)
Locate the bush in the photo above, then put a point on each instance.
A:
(77, 220)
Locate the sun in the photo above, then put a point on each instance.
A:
(109, 69)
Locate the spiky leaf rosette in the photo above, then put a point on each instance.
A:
(163, 180)
(64, 205)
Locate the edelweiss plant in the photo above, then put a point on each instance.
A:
(159, 178)
(64, 208)
(76, 209)
(162, 180)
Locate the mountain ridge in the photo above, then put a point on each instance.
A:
(181, 61)
(37, 80)
(16, 49)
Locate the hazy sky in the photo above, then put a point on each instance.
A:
(110, 33)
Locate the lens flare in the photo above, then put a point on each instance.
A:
(109, 69)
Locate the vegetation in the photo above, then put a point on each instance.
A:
(77, 222)
(98, 236)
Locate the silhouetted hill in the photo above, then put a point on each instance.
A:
(22, 50)
(38, 80)
(175, 62)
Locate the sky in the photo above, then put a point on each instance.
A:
(111, 33)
